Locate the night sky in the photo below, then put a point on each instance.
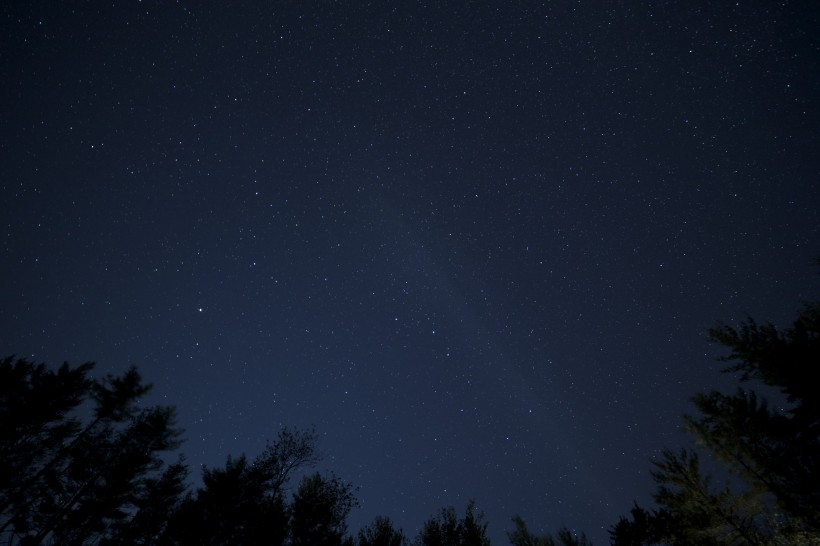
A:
(476, 245)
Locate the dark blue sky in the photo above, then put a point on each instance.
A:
(477, 246)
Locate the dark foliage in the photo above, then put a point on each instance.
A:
(381, 533)
(642, 528)
(155, 499)
(772, 492)
(244, 502)
(773, 450)
(447, 529)
(319, 511)
(75, 481)
(82, 464)
(232, 507)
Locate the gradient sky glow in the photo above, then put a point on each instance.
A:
(477, 245)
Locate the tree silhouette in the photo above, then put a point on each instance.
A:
(772, 450)
(35, 427)
(154, 500)
(771, 453)
(72, 482)
(319, 511)
(381, 533)
(81, 464)
(446, 529)
(244, 503)
(644, 528)
(232, 507)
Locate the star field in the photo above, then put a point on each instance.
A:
(476, 246)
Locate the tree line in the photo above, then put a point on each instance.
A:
(85, 462)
